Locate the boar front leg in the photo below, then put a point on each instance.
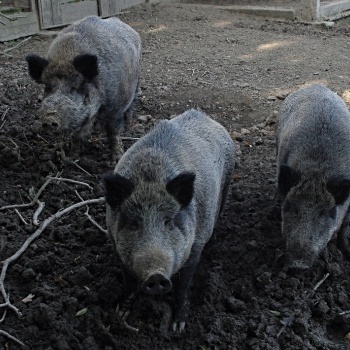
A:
(343, 237)
(115, 144)
(181, 285)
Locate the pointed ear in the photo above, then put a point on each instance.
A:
(87, 65)
(36, 66)
(339, 188)
(287, 178)
(117, 189)
(182, 188)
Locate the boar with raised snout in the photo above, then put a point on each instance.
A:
(163, 200)
(313, 165)
(91, 72)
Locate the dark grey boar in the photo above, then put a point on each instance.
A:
(163, 200)
(91, 72)
(313, 165)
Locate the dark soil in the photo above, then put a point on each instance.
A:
(238, 70)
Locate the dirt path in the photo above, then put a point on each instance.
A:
(237, 69)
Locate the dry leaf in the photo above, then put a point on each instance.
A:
(82, 312)
(28, 298)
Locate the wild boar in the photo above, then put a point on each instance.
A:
(163, 200)
(313, 171)
(91, 73)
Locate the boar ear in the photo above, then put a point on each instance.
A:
(117, 189)
(182, 187)
(339, 188)
(36, 66)
(287, 178)
(87, 65)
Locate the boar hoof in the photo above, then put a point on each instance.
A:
(156, 284)
(178, 327)
(343, 241)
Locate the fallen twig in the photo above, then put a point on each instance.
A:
(90, 217)
(94, 222)
(38, 212)
(41, 189)
(79, 167)
(344, 312)
(3, 117)
(15, 47)
(29, 240)
(130, 328)
(317, 285)
(290, 319)
(12, 338)
(21, 217)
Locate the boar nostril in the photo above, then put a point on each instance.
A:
(156, 284)
(54, 124)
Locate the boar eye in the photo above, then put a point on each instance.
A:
(329, 213)
(333, 212)
(169, 224)
(134, 225)
(48, 89)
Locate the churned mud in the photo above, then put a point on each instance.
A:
(238, 70)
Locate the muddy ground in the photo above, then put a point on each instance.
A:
(237, 69)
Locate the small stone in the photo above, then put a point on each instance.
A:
(238, 195)
(144, 118)
(272, 98)
(259, 141)
(235, 305)
(271, 119)
(328, 24)
(245, 131)
(236, 136)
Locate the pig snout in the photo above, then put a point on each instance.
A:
(154, 268)
(156, 284)
(299, 258)
(50, 119)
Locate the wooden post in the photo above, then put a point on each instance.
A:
(310, 10)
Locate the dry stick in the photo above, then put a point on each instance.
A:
(94, 222)
(89, 216)
(79, 167)
(308, 295)
(321, 281)
(38, 212)
(21, 217)
(15, 47)
(41, 189)
(30, 239)
(3, 316)
(3, 117)
(12, 338)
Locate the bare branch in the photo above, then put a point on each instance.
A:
(30, 239)
(12, 338)
(94, 222)
(321, 281)
(38, 212)
(72, 181)
(41, 189)
(21, 217)
(19, 44)
(79, 167)
(90, 217)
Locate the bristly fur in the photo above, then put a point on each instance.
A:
(181, 172)
(313, 170)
